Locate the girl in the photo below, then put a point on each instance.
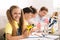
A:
(34, 11)
(32, 20)
(15, 25)
(27, 16)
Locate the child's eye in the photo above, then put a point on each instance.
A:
(19, 13)
(15, 13)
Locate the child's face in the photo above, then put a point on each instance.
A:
(16, 14)
(28, 15)
(42, 13)
(34, 15)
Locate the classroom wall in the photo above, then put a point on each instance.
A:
(4, 5)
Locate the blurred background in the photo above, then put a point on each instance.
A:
(52, 5)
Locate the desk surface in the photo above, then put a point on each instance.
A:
(47, 37)
(38, 39)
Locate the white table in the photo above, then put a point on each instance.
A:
(37, 39)
(47, 37)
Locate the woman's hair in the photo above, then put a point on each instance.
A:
(11, 21)
(34, 11)
(27, 10)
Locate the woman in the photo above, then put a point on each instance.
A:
(15, 24)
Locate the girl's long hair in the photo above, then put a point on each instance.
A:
(21, 22)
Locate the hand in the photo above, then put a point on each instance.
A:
(25, 34)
